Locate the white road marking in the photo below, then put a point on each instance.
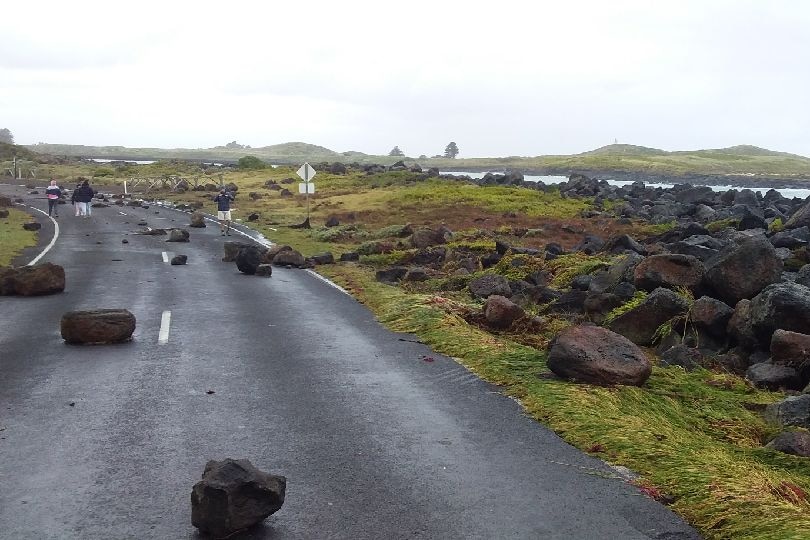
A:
(165, 322)
(53, 240)
(165, 257)
(329, 282)
(123, 213)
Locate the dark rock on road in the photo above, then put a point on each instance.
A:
(47, 278)
(248, 259)
(234, 495)
(97, 326)
(179, 260)
(178, 235)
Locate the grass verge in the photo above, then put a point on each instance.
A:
(696, 438)
(13, 238)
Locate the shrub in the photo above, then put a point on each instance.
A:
(103, 171)
(251, 163)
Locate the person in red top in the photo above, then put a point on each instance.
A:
(53, 193)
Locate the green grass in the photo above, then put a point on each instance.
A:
(13, 238)
(695, 437)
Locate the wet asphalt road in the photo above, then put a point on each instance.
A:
(375, 442)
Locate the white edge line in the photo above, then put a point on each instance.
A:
(165, 323)
(165, 257)
(328, 282)
(53, 240)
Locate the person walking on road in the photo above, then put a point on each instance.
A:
(223, 200)
(53, 193)
(82, 197)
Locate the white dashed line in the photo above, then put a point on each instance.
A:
(165, 322)
(123, 213)
(53, 240)
(165, 257)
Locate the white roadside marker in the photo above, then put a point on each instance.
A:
(165, 322)
(165, 257)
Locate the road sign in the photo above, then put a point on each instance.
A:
(306, 172)
(308, 187)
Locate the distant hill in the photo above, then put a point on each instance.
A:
(625, 149)
(744, 160)
(744, 150)
(293, 149)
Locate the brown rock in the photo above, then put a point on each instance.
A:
(274, 250)
(500, 312)
(711, 315)
(739, 325)
(790, 349)
(7, 274)
(289, 257)
(423, 238)
(197, 220)
(669, 270)
(596, 355)
(38, 280)
(97, 326)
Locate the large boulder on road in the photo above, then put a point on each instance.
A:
(197, 220)
(234, 495)
(231, 250)
(595, 355)
(248, 259)
(97, 326)
(178, 235)
(289, 257)
(47, 278)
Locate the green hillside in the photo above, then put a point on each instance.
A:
(620, 158)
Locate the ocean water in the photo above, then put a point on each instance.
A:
(786, 192)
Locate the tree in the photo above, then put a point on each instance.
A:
(451, 151)
(251, 162)
(396, 152)
(6, 136)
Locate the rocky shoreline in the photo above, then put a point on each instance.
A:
(737, 180)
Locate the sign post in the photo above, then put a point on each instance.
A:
(307, 173)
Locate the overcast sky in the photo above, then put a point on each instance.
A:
(498, 78)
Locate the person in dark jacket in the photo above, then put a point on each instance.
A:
(223, 200)
(53, 193)
(82, 197)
